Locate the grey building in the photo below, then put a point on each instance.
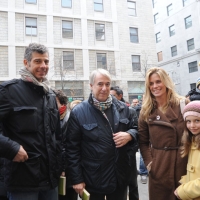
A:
(177, 35)
(82, 35)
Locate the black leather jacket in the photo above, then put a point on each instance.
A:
(91, 152)
(194, 95)
(30, 118)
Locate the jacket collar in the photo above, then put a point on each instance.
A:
(169, 116)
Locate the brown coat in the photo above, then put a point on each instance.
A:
(163, 130)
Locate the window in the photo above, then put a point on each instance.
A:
(156, 18)
(174, 51)
(193, 67)
(136, 65)
(101, 61)
(98, 5)
(192, 86)
(169, 9)
(188, 22)
(190, 44)
(67, 29)
(185, 2)
(153, 3)
(131, 8)
(134, 35)
(31, 1)
(68, 60)
(100, 31)
(160, 56)
(31, 26)
(66, 3)
(171, 30)
(158, 38)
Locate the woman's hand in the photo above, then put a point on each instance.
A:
(149, 166)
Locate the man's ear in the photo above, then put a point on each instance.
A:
(90, 86)
(25, 63)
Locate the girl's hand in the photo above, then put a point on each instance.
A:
(176, 193)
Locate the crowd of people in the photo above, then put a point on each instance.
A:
(93, 143)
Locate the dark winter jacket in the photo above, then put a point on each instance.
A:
(137, 108)
(30, 118)
(92, 155)
(194, 95)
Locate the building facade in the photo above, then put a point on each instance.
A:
(82, 35)
(177, 35)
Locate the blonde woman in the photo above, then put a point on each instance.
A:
(161, 126)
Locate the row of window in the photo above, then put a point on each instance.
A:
(68, 61)
(98, 5)
(190, 46)
(188, 19)
(169, 7)
(67, 29)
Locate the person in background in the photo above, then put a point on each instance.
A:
(117, 93)
(195, 93)
(135, 102)
(190, 183)
(161, 127)
(101, 136)
(133, 185)
(74, 103)
(142, 168)
(31, 139)
(62, 101)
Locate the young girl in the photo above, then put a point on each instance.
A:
(190, 183)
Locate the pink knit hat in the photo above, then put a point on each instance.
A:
(192, 108)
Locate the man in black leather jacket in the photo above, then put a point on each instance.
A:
(133, 186)
(31, 140)
(101, 138)
(194, 94)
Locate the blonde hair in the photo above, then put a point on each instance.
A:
(186, 140)
(99, 71)
(74, 103)
(149, 101)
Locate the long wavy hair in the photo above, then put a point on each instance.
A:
(149, 101)
(186, 141)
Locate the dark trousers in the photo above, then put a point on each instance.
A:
(3, 198)
(133, 185)
(70, 195)
(118, 194)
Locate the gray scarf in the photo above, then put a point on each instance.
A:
(28, 77)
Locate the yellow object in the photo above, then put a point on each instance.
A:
(86, 195)
(62, 185)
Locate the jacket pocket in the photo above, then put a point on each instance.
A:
(91, 132)
(26, 173)
(123, 123)
(26, 119)
(91, 174)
